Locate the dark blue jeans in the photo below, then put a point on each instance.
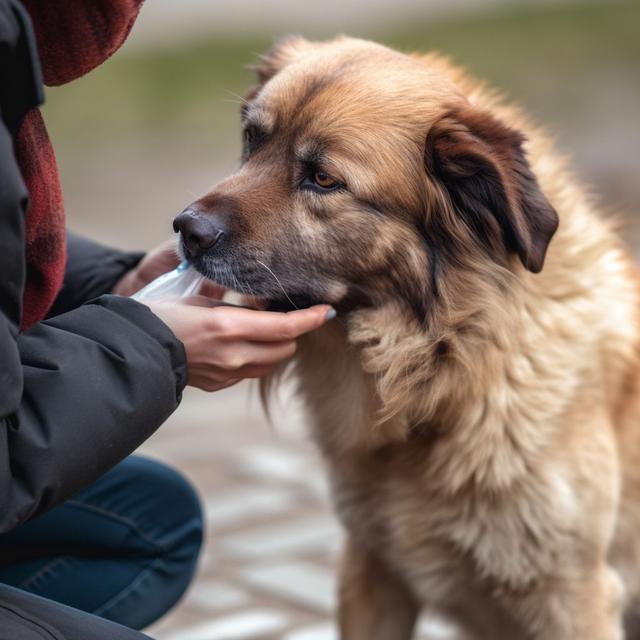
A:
(125, 549)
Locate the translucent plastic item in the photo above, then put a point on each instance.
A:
(182, 282)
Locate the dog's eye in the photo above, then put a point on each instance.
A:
(324, 180)
(318, 181)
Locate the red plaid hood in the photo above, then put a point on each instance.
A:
(74, 37)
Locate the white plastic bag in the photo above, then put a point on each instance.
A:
(182, 282)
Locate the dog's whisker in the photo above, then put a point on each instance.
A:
(246, 288)
(235, 95)
(236, 282)
(293, 304)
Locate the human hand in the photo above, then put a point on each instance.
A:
(225, 344)
(158, 261)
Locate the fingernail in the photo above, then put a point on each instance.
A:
(331, 314)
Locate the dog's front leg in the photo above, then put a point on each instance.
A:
(585, 606)
(374, 603)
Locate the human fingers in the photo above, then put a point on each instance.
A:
(159, 260)
(271, 326)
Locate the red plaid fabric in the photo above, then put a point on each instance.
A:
(74, 37)
(45, 234)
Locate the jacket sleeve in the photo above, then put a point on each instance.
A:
(96, 382)
(92, 270)
(80, 391)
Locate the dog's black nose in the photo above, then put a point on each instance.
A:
(199, 232)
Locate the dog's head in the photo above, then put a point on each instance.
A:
(365, 173)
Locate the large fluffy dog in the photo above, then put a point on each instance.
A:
(476, 400)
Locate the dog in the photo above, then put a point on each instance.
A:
(476, 401)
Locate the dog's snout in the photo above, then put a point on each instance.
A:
(199, 232)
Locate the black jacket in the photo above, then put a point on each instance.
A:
(82, 389)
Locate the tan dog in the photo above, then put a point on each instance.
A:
(476, 402)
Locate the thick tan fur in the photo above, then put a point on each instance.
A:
(485, 461)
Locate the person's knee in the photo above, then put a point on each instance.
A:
(179, 534)
(161, 502)
(186, 515)
(165, 516)
(160, 505)
(178, 519)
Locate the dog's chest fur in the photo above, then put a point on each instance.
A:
(389, 492)
(458, 515)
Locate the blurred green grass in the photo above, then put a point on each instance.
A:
(511, 46)
(542, 56)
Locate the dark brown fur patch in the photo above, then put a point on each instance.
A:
(483, 167)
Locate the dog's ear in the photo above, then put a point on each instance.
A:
(283, 52)
(486, 176)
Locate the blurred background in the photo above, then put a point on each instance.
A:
(143, 135)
